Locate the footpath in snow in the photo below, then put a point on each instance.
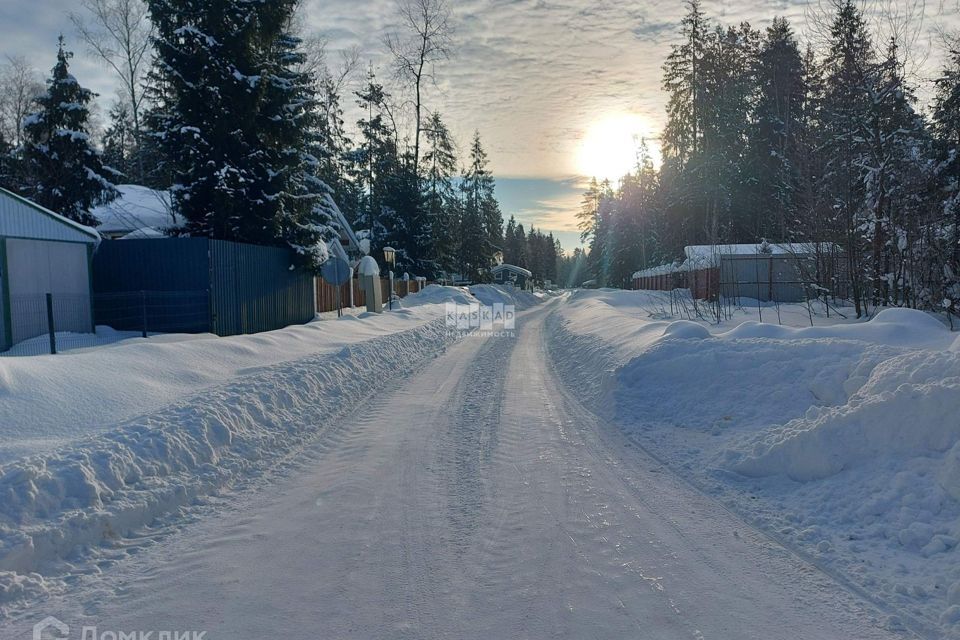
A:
(841, 440)
(97, 444)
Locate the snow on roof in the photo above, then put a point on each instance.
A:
(511, 268)
(656, 271)
(346, 231)
(708, 254)
(704, 256)
(144, 234)
(24, 218)
(137, 208)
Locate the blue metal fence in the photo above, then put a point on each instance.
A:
(222, 287)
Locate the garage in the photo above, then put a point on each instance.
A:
(41, 254)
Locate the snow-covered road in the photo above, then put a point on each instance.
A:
(477, 499)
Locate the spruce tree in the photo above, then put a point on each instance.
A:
(6, 165)
(236, 119)
(844, 111)
(63, 170)
(440, 203)
(119, 142)
(682, 83)
(376, 159)
(774, 138)
(946, 128)
(482, 233)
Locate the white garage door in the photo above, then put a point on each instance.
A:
(36, 268)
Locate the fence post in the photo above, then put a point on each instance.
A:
(50, 328)
(143, 310)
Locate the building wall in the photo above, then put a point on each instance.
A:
(38, 267)
(768, 278)
(20, 218)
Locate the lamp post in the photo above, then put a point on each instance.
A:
(390, 257)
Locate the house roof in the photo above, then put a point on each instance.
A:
(346, 231)
(22, 218)
(137, 208)
(511, 268)
(709, 255)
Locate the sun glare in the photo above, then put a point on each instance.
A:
(610, 147)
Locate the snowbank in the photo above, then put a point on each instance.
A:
(841, 439)
(137, 376)
(910, 406)
(489, 294)
(274, 393)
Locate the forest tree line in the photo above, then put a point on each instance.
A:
(826, 143)
(236, 113)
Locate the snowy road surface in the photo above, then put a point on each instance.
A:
(476, 500)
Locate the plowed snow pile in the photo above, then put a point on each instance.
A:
(843, 440)
(100, 445)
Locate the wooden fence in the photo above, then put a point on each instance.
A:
(327, 293)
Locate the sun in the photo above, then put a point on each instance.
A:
(610, 147)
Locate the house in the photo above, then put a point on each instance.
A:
(138, 212)
(512, 274)
(42, 252)
(346, 245)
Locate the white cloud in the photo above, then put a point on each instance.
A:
(531, 75)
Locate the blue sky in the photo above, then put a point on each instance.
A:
(542, 80)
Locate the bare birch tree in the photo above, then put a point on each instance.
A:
(19, 85)
(425, 41)
(119, 32)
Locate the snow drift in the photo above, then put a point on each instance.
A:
(842, 439)
(910, 406)
(254, 400)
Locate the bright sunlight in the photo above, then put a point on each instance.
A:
(610, 147)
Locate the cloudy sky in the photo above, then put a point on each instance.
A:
(557, 88)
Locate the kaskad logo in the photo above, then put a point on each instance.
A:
(466, 317)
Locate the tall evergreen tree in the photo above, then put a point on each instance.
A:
(778, 118)
(844, 110)
(119, 142)
(7, 175)
(440, 201)
(682, 82)
(64, 172)
(946, 128)
(236, 118)
(482, 228)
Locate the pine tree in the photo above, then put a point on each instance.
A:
(946, 128)
(332, 146)
(7, 177)
(589, 208)
(482, 229)
(119, 142)
(844, 111)
(64, 172)
(376, 159)
(440, 202)
(774, 139)
(682, 83)
(231, 112)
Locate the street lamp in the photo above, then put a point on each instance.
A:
(390, 257)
